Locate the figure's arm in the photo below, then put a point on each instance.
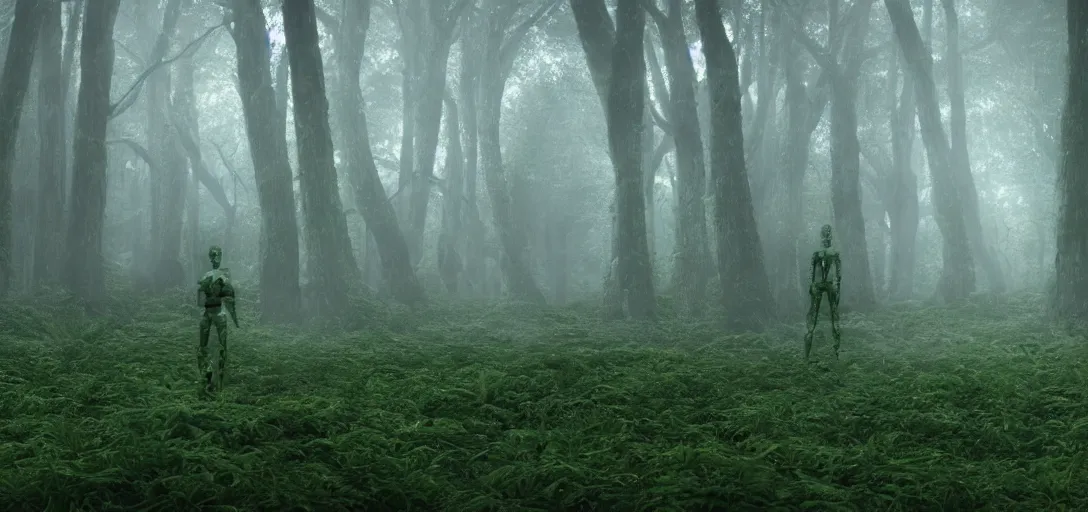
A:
(815, 261)
(838, 272)
(227, 295)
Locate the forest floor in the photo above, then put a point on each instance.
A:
(502, 407)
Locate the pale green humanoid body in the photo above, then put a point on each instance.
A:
(216, 295)
(825, 262)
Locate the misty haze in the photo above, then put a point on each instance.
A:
(543, 255)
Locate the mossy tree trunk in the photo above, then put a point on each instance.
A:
(85, 265)
(1071, 261)
(958, 272)
(331, 264)
(746, 294)
(280, 295)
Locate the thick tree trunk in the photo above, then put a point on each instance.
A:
(13, 86)
(85, 265)
(958, 274)
(692, 253)
(53, 155)
(1071, 261)
(960, 158)
(903, 184)
(280, 295)
(369, 193)
(626, 104)
(331, 264)
(746, 294)
(185, 119)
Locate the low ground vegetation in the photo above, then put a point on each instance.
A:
(503, 407)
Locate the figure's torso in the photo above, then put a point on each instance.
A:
(212, 285)
(824, 261)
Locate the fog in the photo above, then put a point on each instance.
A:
(540, 182)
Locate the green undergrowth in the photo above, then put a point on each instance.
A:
(505, 407)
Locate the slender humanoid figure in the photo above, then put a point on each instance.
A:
(824, 262)
(217, 296)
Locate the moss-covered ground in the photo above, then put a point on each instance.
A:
(981, 406)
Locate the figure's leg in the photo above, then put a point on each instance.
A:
(833, 303)
(813, 317)
(202, 350)
(221, 331)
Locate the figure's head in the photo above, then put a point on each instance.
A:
(825, 235)
(216, 255)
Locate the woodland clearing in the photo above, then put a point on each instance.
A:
(508, 407)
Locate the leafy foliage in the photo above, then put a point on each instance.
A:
(500, 407)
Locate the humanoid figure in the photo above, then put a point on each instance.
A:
(216, 295)
(824, 262)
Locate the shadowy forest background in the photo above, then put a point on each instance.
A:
(535, 149)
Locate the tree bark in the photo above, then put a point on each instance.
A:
(1071, 261)
(85, 265)
(280, 296)
(450, 262)
(692, 253)
(331, 263)
(14, 83)
(498, 59)
(805, 105)
(960, 158)
(369, 193)
(468, 89)
(626, 104)
(437, 33)
(746, 295)
(957, 275)
(53, 155)
(168, 186)
(903, 184)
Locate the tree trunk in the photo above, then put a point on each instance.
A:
(692, 253)
(22, 43)
(626, 102)
(450, 263)
(960, 158)
(168, 186)
(85, 264)
(71, 41)
(369, 193)
(53, 157)
(280, 296)
(468, 88)
(957, 275)
(903, 184)
(331, 264)
(437, 32)
(1071, 261)
(846, 167)
(805, 105)
(746, 295)
(498, 59)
